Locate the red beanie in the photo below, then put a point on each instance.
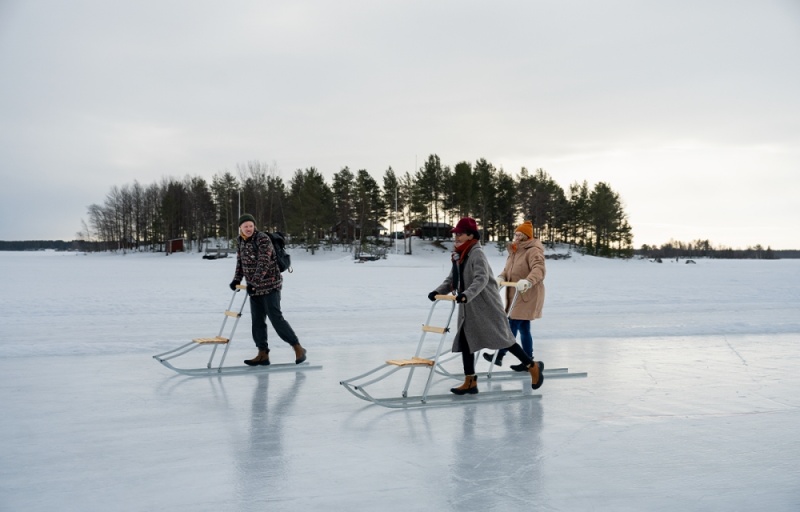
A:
(466, 225)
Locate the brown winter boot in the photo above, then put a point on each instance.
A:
(299, 354)
(262, 359)
(537, 377)
(470, 386)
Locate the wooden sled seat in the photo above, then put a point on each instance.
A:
(215, 340)
(414, 361)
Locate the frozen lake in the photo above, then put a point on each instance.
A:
(690, 402)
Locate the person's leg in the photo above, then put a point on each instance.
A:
(525, 337)
(514, 326)
(279, 323)
(468, 360)
(258, 317)
(258, 314)
(282, 327)
(520, 354)
(526, 342)
(470, 385)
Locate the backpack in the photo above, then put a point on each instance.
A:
(278, 240)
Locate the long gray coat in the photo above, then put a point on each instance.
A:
(482, 318)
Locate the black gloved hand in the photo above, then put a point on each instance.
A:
(234, 283)
(432, 296)
(250, 289)
(461, 298)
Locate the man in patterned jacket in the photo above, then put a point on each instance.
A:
(256, 263)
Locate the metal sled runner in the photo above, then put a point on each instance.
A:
(358, 385)
(218, 340)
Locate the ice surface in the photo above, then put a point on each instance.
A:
(691, 401)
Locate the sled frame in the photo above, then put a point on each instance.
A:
(220, 339)
(358, 385)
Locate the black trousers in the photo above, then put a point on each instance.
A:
(269, 306)
(468, 358)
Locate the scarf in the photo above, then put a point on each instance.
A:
(460, 256)
(460, 252)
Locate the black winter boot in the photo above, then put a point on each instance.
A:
(498, 361)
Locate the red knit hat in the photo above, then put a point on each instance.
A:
(526, 228)
(466, 225)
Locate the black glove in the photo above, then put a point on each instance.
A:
(461, 298)
(234, 283)
(432, 296)
(250, 289)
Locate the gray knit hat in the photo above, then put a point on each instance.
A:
(245, 217)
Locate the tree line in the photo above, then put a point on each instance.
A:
(309, 209)
(705, 249)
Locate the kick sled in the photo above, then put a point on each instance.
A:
(362, 385)
(549, 373)
(212, 369)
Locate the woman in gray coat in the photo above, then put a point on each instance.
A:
(482, 322)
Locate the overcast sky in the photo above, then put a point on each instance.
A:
(689, 109)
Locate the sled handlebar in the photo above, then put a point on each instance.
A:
(445, 297)
(508, 283)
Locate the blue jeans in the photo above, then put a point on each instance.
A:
(269, 306)
(523, 327)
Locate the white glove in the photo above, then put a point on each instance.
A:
(500, 280)
(523, 285)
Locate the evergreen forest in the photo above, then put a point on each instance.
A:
(352, 207)
(355, 210)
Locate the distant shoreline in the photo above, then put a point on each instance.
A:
(83, 246)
